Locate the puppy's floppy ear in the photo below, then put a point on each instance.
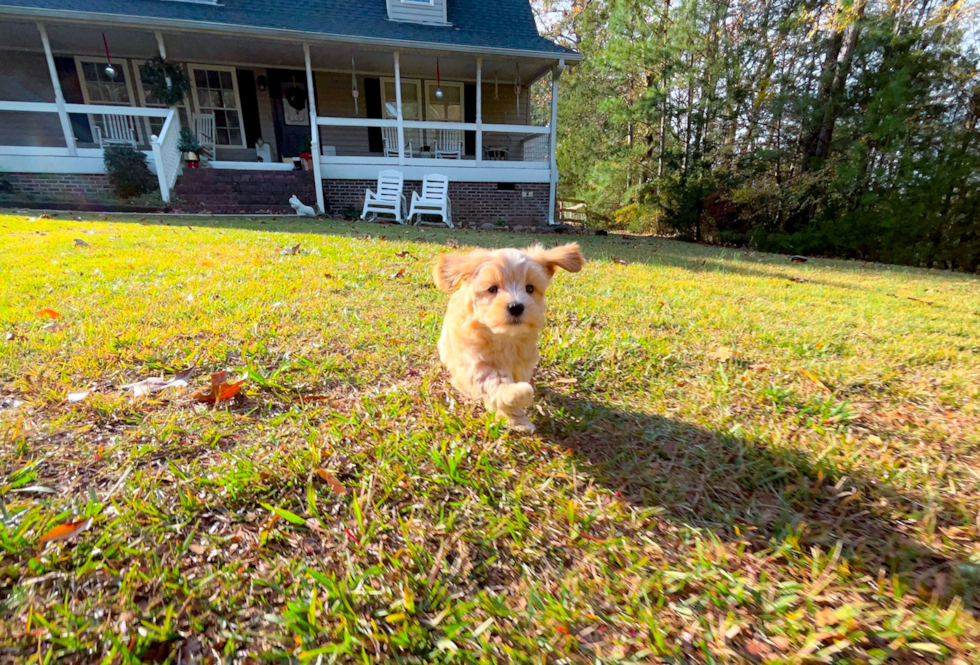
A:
(568, 257)
(452, 269)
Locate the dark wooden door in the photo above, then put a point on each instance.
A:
(290, 110)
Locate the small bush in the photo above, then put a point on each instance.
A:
(128, 171)
(188, 142)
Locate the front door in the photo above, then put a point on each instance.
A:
(290, 110)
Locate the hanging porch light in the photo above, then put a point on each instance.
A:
(439, 92)
(110, 71)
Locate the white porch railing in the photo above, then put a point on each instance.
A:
(165, 154)
(35, 159)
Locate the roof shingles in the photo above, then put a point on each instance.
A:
(492, 24)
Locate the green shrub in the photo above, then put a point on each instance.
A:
(188, 142)
(128, 171)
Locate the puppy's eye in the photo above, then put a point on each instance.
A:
(530, 288)
(492, 289)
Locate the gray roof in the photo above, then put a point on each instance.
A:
(475, 25)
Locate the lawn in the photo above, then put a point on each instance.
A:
(738, 459)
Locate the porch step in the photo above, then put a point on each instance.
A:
(226, 191)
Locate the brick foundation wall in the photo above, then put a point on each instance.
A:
(474, 203)
(224, 191)
(43, 187)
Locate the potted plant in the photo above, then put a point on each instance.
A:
(306, 153)
(189, 147)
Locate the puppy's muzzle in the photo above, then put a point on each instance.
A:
(515, 309)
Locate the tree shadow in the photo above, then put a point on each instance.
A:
(744, 490)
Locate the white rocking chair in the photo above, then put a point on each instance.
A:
(390, 137)
(434, 200)
(449, 143)
(204, 131)
(389, 198)
(115, 130)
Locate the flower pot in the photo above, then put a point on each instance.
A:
(306, 159)
(191, 159)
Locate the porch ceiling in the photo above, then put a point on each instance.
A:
(82, 39)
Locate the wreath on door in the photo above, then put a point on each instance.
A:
(155, 78)
(295, 96)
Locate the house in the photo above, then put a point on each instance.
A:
(422, 86)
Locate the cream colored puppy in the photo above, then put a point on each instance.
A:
(489, 338)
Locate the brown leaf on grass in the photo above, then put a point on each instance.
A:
(66, 531)
(781, 642)
(798, 259)
(80, 243)
(723, 354)
(331, 480)
(221, 389)
(825, 617)
(400, 273)
(206, 264)
(54, 326)
(50, 313)
(622, 262)
(757, 648)
(155, 384)
(452, 242)
(816, 379)
(403, 254)
(292, 251)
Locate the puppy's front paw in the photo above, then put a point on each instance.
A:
(520, 423)
(517, 395)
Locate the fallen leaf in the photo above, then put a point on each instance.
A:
(291, 251)
(758, 366)
(781, 642)
(403, 254)
(757, 648)
(825, 617)
(50, 313)
(400, 273)
(331, 480)
(80, 243)
(206, 264)
(723, 354)
(221, 389)
(621, 262)
(813, 377)
(54, 326)
(66, 531)
(155, 384)
(76, 397)
(798, 259)
(452, 242)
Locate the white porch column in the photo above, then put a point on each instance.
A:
(553, 189)
(479, 110)
(398, 107)
(314, 129)
(59, 97)
(163, 51)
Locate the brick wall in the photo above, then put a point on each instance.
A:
(44, 187)
(241, 192)
(474, 203)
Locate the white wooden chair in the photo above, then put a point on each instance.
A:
(390, 137)
(115, 130)
(389, 198)
(434, 200)
(204, 131)
(449, 143)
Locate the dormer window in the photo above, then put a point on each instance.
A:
(432, 12)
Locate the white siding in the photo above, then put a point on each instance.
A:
(417, 12)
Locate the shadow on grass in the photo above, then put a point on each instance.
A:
(723, 483)
(632, 249)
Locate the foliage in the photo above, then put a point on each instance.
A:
(158, 88)
(188, 141)
(843, 127)
(128, 172)
(721, 467)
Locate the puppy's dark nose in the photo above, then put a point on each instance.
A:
(515, 309)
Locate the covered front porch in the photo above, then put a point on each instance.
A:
(473, 117)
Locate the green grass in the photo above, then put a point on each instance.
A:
(737, 458)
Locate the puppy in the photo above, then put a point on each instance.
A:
(490, 333)
(301, 209)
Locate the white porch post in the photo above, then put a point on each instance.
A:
(398, 107)
(163, 51)
(553, 189)
(314, 129)
(59, 97)
(479, 110)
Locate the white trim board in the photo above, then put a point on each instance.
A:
(334, 171)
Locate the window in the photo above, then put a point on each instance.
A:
(216, 91)
(447, 109)
(98, 88)
(411, 105)
(146, 99)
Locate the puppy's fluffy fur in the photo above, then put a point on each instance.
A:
(490, 333)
